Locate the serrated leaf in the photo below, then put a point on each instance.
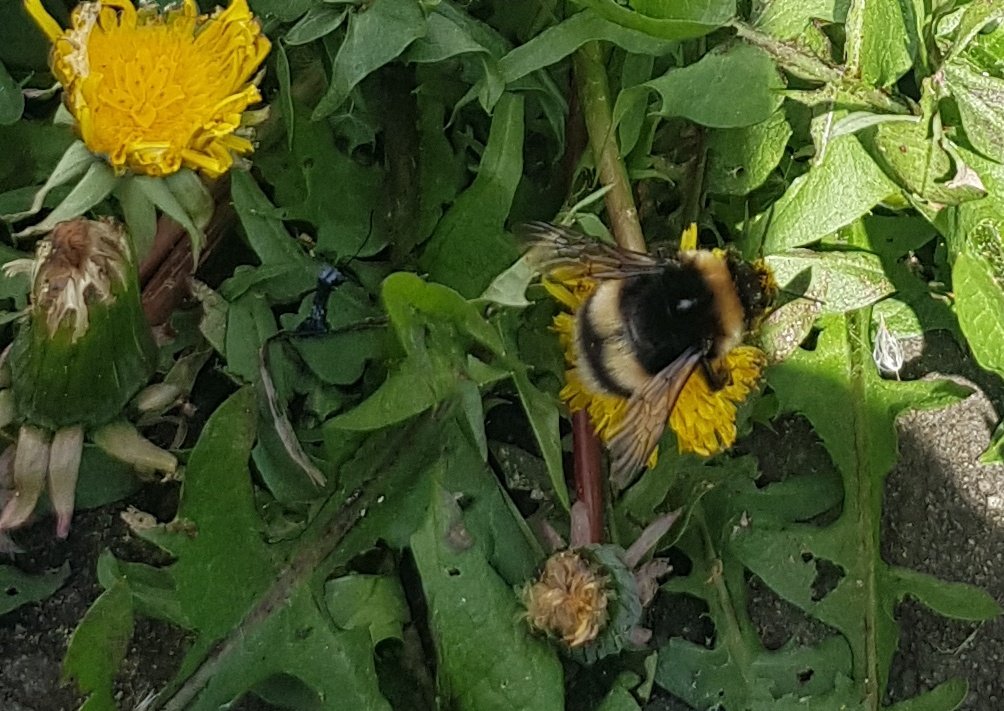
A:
(377, 33)
(667, 20)
(217, 539)
(470, 244)
(487, 659)
(853, 410)
(851, 180)
(732, 86)
(204, 534)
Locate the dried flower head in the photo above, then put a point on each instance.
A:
(569, 600)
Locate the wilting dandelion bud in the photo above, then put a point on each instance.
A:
(85, 348)
(569, 599)
(588, 598)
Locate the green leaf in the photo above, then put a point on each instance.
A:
(445, 38)
(265, 233)
(11, 98)
(959, 601)
(853, 411)
(249, 323)
(72, 163)
(372, 602)
(740, 159)
(22, 588)
(270, 623)
(209, 557)
(487, 659)
(299, 641)
(946, 696)
(319, 21)
(557, 42)
(786, 19)
(470, 245)
(979, 96)
(980, 307)
(844, 281)
(730, 87)
(881, 40)
(378, 32)
(850, 179)
(667, 19)
(99, 645)
(345, 227)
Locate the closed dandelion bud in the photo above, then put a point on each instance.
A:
(85, 348)
(587, 598)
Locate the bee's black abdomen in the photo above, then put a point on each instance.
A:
(667, 314)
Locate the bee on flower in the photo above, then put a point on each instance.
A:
(651, 340)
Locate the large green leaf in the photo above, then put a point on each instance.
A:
(487, 658)
(99, 645)
(667, 19)
(852, 183)
(470, 246)
(732, 86)
(217, 540)
(378, 32)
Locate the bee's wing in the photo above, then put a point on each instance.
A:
(555, 247)
(644, 422)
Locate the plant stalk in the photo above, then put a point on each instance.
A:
(594, 94)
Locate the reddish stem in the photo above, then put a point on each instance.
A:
(588, 468)
(165, 272)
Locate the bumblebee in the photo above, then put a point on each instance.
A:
(650, 322)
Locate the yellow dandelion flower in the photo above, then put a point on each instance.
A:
(704, 419)
(569, 600)
(153, 90)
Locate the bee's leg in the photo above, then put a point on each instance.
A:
(717, 380)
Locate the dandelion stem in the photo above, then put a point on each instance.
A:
(594, 94)
(594, 98)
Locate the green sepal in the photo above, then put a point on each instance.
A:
(58, 382)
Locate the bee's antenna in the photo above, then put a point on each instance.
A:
(803, 296)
